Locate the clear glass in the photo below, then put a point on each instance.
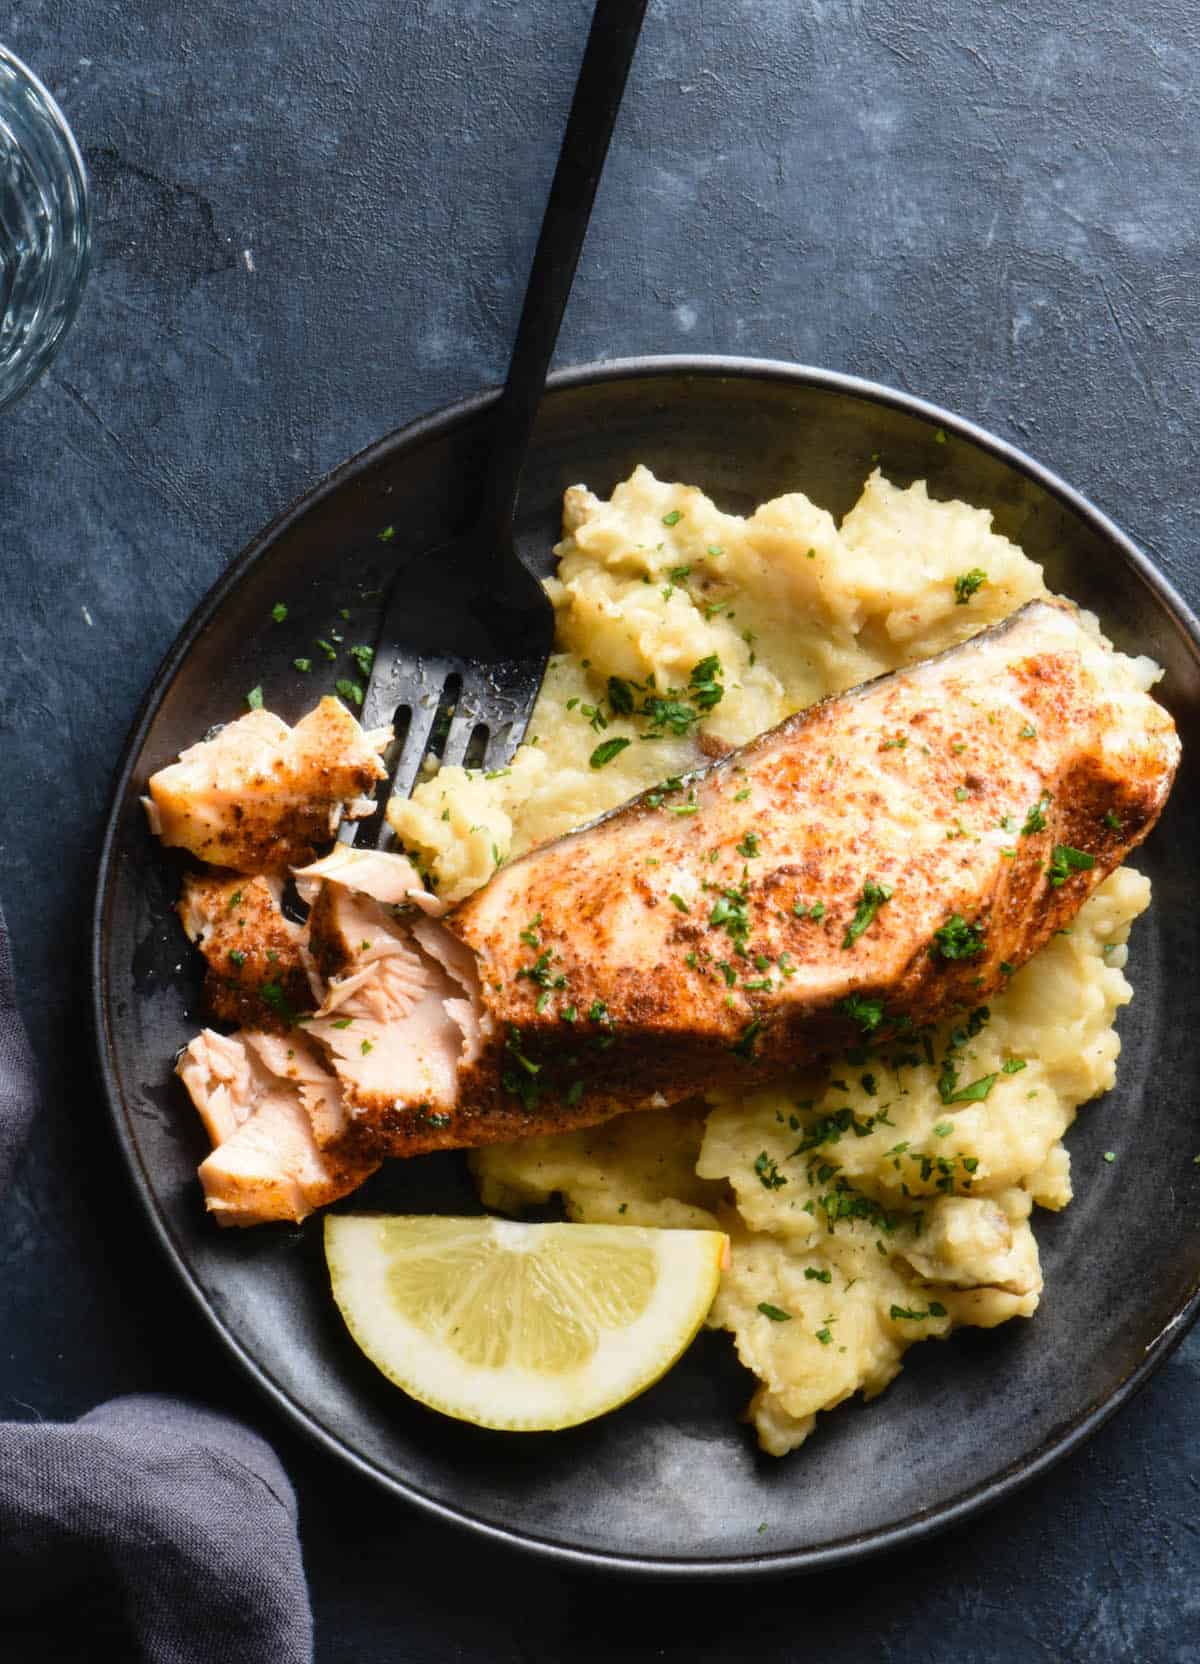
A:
(44, 227)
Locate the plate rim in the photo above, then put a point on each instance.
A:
(828, 1556)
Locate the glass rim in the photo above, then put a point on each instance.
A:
(59, 120)
(44, 349)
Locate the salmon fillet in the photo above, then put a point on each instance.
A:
(260, 797)
(868, 867)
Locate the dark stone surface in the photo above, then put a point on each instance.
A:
(313, 224)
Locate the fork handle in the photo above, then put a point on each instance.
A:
(612, 39)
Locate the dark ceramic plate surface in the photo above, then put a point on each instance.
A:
(673, 1483)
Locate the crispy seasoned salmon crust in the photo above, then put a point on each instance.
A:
(872, 864)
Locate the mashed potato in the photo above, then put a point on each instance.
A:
(888, 1199)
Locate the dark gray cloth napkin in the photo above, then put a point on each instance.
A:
(151, 1529)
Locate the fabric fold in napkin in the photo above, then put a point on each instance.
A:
(151, 1529)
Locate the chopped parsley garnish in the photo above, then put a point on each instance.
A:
(678, 902)
(273, 995)
(679, 574)
(673, 518)
(1035, 818)
(748, 848)
(598, 1013)
(870, 901)
(364, 658)
(975, 1093)
(943, 1129)
(302, 664)
(966, 584)
(366, 1047)
(254, 699)
(606, 751)
(525, 1085)
(1110, 1155)
(812, 910)
(910, 1315)
(740, 797)
(1065, 860)
(671, 784)
(951, 1068)
(343, 1022)
(540, 973)
(349, 690)
(436, 1119)
(729, 913)
(1029, 732)
(825, 1335)
(867, 1013)
(574, 1092)
(812, 1275)
(620, 696)
(768, 1172)
(237, 957)
(387, 534)
(844, 1202)
(234, 901)
(667, 716)
(777, 1315)
(529, 935)
(1113, 821)
(744, 1045)
(705, 689)
(329, 651)
(957, 939)
(1005, 968)
(1013, 1066)
(830, 1129)
(279, 612)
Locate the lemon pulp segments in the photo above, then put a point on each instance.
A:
(520, 1326)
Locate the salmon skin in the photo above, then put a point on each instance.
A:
(873, 864)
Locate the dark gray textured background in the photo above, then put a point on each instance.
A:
(313, 224)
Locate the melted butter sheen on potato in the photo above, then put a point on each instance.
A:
(888, 1199)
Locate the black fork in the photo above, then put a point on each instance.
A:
(467, 629)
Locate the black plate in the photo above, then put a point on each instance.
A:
(673, 1483)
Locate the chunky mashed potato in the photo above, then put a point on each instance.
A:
(888, 1199)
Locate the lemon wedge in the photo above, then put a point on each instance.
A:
(526, 1327)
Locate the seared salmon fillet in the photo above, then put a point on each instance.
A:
(867, 867)
(260, 797)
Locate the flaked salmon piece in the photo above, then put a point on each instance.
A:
(260, 797)
(869, 866)
(390, 1020)
(220, 1080)
(267, 1163)
(385, 876)
(260, 974)
(300, 1063)
(352, 936)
